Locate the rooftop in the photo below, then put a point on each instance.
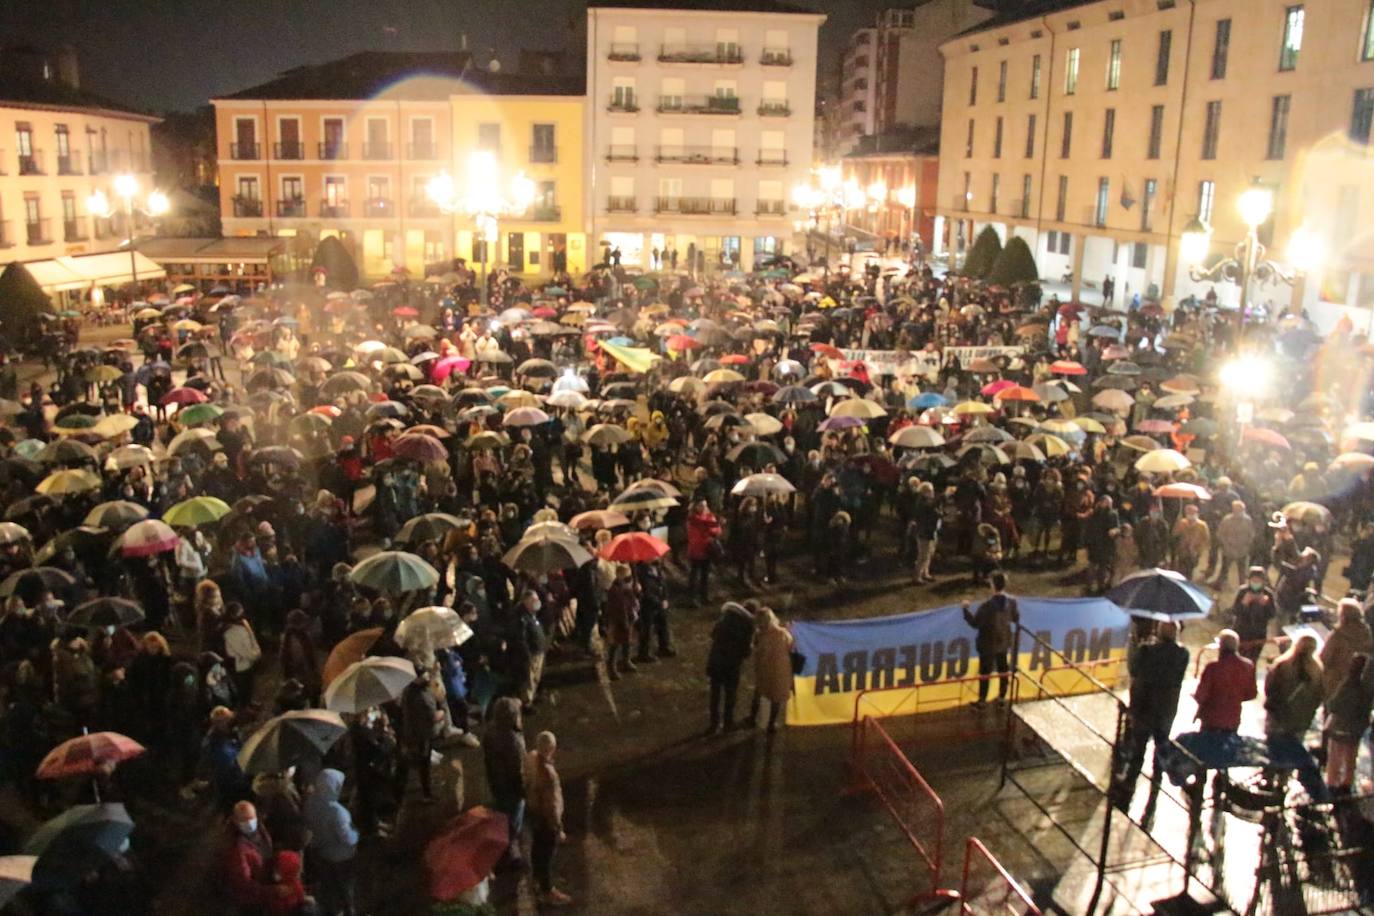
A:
(1012, 11)
(369, 74)
(719, 6)
(40, 93)
(915, 141)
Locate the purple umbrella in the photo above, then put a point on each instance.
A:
(840, 422)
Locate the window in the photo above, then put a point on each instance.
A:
(727, 45)
(1066, 143)
(968, 143)
(973, 87)
(623, 94)
(1210, 128)
(1361, 118)
(1025, 196)
(1206, 196)
(1278, 126)
(1292, 38)
(248, 187)
(1002, 81)
(1221, 48)
(64, 142)
(543, 147)
(1139, 252)
(1367, 36)
(997, 140)
(1071, 72)
(335, 191)
(1114, 66)
(1100, 209)
(1035, 77)
(1030, 136)
(1156, 132)
(289, 139)
(489, 136)
(1062, 201)
(1147, 205)
(992, 198)
(968, 191)
(292, 188)
(1166, 45)
(1108, 130)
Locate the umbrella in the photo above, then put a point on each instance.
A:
(1181, 384)
(1140, 443)
(420, 447)
(1160, 594)
(1051, 393)
(1307, 513)
(465, 851)
(1017, 393)
(722, 376)
(992, 388)
(1024, 451)
(352, 648)
(196, 511)
(1089, 425)
(606, 434)
(344, 382)
(116, 515)
(642, 497)
(1172, 401)
(61, 483)
(927, 400)
(1162, 461)
(87, 755)
(840, 422)
(486, 440)
(634, 547)
(1202, 427)
(16, 873)
(543, 554)
(1123, 367)
(276, 454)
(1357, 461)
(973, 409)
(1154, 427)
(197, 414)
(106, 612)
(989, 434)
(428, 527)
(598, 518)
(985, 452)
(756, 454)
(78, 840)
(858, 407)
(1060, 427)
(148, 537)
(112, 426)
(1067, 367)
(369, 682)
(794, 394)
(434, 628)
(1113, 399)
(394, 571)
(569, 400)
(764, 424)
(552, 528)
(184, 395)
(1051, 445)
(190, 437)
(916, 437)
(290, 739)
(1182, 491)
(1265, 436)
(763, 485)
(525, 416)
(11, 533)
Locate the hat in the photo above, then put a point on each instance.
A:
(346, 442)
(1256, 571)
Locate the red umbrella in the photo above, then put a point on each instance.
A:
(734, 359)
(1001, 384)
(635, 547)
(827, 350)
(1067, 367)
(1154, 427)
(86, 755)
(326, 410)
(544, 312)
(465, 851)
(405, 311)
(419, 447)
(1266, 436)
(683, 342)
(184, 396)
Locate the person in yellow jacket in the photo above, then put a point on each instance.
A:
(655, 433)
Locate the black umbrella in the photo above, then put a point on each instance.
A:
(756, 454)
(106, 612)
(1160, 594)
(29, 582)
(77, 841)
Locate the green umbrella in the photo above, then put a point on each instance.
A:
(196, 511)
(645, 282)
(394, 571)
(197, 414)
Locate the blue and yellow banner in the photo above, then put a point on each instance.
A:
(912, 663)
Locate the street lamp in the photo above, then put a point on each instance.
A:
(1248, 260)
(824, 194)
(126, 188)
(482, 200)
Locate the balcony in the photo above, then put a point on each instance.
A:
(621, 204)
(422, 151)
(379, 208)
(771, 208)
(776, 57)
(700, 54)
(291, 208)
(622, 153)
(245, 151)
(623, 103)
(333, 149)
(543, 153)
(695, 206)
(774, 109)
(771, 157)
(68, 165)
(5, 240)
(1093, 216)
(37, 232)
(288, 149)
(698, 155)
(376, 151)
(624, 52)
(104, 228)
(542, 213)
(31, 163)
(424, 208)
(337, 210)
(73, 231)
(100, 163)
(699, 104)
(247, 207)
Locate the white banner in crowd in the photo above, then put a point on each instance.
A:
(925, 363)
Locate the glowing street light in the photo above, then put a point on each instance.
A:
(126, 188)
(482, 199)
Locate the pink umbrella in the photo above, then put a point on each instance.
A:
(405, 311)
(419, 447)
(1154, 427)
(1001, 384)
(184, 396)
(525, 416)
(544, 312)
(1182, 491)
(449, 365)
(1266, 436)
(148, 537)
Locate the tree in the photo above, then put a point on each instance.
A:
(984, 254)
(22, 300)
(339, 270)
(1015, 264)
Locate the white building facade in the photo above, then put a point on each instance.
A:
(699, 124)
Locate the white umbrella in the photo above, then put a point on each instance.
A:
(1162, 461)
(370, 682)
(435, 627)
(764, 424)
(763, 485)
(916, 437)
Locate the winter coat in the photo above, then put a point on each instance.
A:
(332, 834)
(1252, 611)
(246, 869)
(1235, 535)
(1157, 672)
(503, 750)
(76, 679)
(279, 807)
(544, 791)
(1225, 684)
(773, 664)
(1345, 641)
(732, 638)
(1347, 710)
(1192, 537)
(702, 531)
(1290, 700)
(620, 612)
(994, 621)
(418, 705)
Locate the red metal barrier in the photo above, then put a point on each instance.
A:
(880, 767)
(988, 888)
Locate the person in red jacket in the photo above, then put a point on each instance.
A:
(1225, 686)
(703, 533)
(247, 855)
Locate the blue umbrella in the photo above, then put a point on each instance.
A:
(1160, 594)
(621, 341)
(926, 401)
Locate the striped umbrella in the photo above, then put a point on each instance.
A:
(148, 537)
(394, 571)
(87, 755)
(367, 683)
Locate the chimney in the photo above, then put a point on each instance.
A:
(68, 68)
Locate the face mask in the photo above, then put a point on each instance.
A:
(248, 827)
(535, 606)
(1256, 586)
(109, 631)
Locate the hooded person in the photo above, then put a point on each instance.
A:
(732, 638)
(504, 755)
(333, 842)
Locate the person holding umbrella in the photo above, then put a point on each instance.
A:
(1157, 665)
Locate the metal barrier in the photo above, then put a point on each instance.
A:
(988, 888)
(1315, 859)
(1278, 642)
(920, 703)
(880, 767)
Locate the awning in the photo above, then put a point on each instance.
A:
(53, 276)
(231, 250)
(81, 271)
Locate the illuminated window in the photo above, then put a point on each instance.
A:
(1114, 66)
(1292, 37)
(1206, 196)
(1278, 126)
(1071, 72)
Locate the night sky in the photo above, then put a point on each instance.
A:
(176, 54)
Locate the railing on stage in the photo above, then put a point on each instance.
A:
(1211, 649)
(989, 888)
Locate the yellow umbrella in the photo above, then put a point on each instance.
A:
(1088, 425)
(862, 408)
(1053, 446)
(1024, 451)
(114, 425)
(720, 376)
(973, 409)
(1162, 461)
(1061, 427)
(518, 398)
(60, 483)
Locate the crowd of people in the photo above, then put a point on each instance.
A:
(230, 521)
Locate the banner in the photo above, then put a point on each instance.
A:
(922, 655)
(966, 355)
(880, 362)
(636, 359)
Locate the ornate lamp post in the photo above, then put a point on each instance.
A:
(482, 200)
(127, 190)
